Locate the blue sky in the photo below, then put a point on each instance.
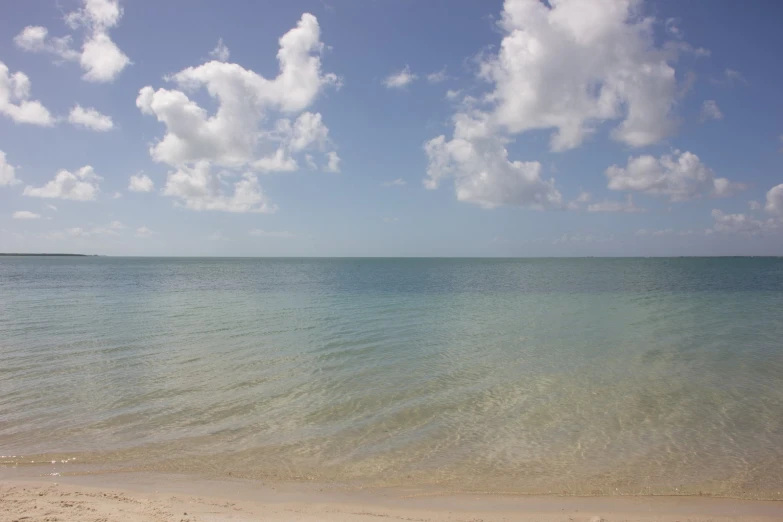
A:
(439, 128)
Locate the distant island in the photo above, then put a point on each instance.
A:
(51, 255)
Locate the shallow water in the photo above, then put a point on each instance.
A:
(579, 376)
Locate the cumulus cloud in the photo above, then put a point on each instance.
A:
(100, 58)
(197, 188)
(680, 176)
(143, 232)
(774, 203)
(90, 119)
(741, 224)
(399, 182)
(82, 185)
(568, 66)
(220, 52)
(15, 100)
(615, 206)
(7, 172)
(482, 172)
(453, 94)
(573, 65)
(400, 79)
(243, 132)
(140, 183)
(25, 214)
(710, 111)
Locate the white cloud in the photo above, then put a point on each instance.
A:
(333, 163)
(90, 118)
(400, 79)
(741, 224)
(641, 232)
(116, 195)
(730, 77)
(574, 65)
(581, 199)
(615, 206)
(143, 232)
(197, 188)
(15, 100)
(272, 233)
(482, 172)
(51, 207)
(710, 111)
(680, 176)
(235, 137)
(399, 182)
(35, 38)
(81, 185)
(391, 219)
(453, 94)
(220, 52)
(775, 201)
(25, 214)
(437, 76)
(7, 172)
(568, 66)
(140, 183)
(754, 205)
(112, 229)
(100, 58)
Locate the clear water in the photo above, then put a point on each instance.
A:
(580, 376)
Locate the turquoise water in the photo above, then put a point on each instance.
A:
(579, 376)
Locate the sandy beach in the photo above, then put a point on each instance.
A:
(138, 497)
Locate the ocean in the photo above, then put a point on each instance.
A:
(564, 376)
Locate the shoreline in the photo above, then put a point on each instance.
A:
(142, 496)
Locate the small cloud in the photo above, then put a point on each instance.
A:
(438, 76)
(641, 232)
(754, 205)
(272, 233)
(221, 52)
(615, 206)
(390, 219)
(51, 207)
(25, 214)
(333, 162)
(672, 27)
(116, 195)
(730, 77)
(581, 199)
(90, 118)
(452, 94)
(143, 232)
(140, 183)
(400, 79)
(399, 182)
(710, 111)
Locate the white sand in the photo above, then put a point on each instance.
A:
(151, 497)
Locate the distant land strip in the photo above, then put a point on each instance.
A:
(51, 255)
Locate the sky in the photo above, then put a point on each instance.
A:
(391, 128)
